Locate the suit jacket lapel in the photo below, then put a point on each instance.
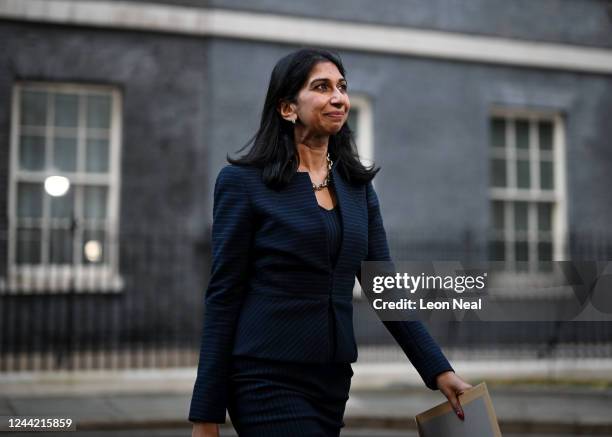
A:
(347, 204)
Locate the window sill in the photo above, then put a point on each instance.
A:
(61, 280)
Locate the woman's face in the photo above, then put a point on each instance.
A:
(322, 104)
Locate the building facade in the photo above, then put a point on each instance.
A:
(489, 121)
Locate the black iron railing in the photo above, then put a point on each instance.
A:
(149, 314)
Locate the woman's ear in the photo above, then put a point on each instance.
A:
(287, 111)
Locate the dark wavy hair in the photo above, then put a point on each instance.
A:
(273, 147)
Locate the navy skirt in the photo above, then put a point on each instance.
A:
(274, 398)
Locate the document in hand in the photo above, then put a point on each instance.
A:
(480, 419)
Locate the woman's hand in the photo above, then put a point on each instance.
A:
(452, 386)
(205, 429)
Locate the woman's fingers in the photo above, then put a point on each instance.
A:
(452, 386)
(454, 401)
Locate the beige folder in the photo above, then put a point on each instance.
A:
(480, 419)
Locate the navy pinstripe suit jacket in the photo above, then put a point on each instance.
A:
(273, 292)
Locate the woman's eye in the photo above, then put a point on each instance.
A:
(324, 87)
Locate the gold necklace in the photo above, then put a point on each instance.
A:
(325, 182)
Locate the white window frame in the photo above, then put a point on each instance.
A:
(365, 146)
(557, 196)
(49, 278)
(365, 141)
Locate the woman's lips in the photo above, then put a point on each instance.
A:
(338, 115)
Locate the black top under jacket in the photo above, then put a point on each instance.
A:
(333, 226)
(273, 292)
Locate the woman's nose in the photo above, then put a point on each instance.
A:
(337, 98)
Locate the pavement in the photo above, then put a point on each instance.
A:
(384, 397)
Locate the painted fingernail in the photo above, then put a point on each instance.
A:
(460, 414)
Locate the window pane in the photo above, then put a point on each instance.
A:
(29, 200)
(32, 152)
(94, 246)
(520, 216)
(33, 108)
(522, 173)
(498, 172)
(60, 246)
(522, 134)
(98, 111)
(94, 202)
(64, 154)
(545, 133)
(521, 250)
(66, 110)
(97, 155)
(498, 132)
(545, 251)
(544, 217)
(545, 256)
(28, 246)
(546, 175)
(62, 206)
(497, 251)
(497, 218)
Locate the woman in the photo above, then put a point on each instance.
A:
(292, 221)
